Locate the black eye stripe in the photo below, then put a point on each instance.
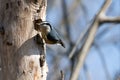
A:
(46, 23)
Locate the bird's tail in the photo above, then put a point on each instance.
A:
(62, 44)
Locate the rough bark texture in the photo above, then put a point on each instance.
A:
(19, 52)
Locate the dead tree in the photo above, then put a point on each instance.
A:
(22, 54)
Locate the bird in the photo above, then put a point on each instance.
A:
(48, 32)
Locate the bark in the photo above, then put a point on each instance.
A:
(22, 58)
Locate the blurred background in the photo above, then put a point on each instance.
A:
(71, 18)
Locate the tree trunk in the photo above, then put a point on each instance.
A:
(21, 56)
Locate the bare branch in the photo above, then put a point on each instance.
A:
(106, 19)
(105, 7)
(82, 35)
(83, 53)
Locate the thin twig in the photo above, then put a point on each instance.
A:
(82, 35)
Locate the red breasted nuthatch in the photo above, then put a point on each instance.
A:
(49, 34)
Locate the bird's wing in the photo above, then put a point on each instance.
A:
(53, 36)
